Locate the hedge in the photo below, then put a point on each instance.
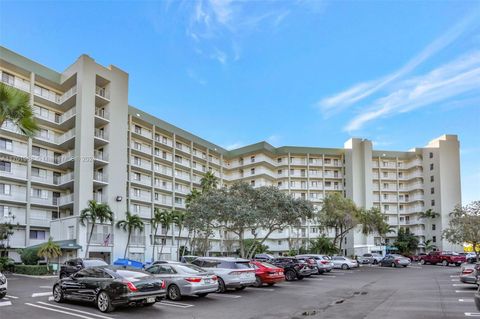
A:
(36, 270)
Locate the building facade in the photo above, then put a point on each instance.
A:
(93, 145)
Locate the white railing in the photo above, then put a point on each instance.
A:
(16, 82)
(65, 199)
(100, 177)
(101, 134)
(72, 91)
(102, 113)
(101, 156)
(102, 92)
(66, 136)
(65, 178)
(68, 156)
(10, 126)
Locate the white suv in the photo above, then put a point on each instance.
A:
(232, 272)
(3, 285)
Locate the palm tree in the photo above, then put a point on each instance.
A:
(15, 107)
(429, 245)
(209, 181)
(130, 223)
(194, 194)
(95, 212)
(166, 219)
(155, 221)
(429, 213)
(179, 220)
(49, 250)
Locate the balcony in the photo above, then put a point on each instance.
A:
(49, 201)
(141, 148)
(100, 137)
(100, 156)
(66, 139)
(63, 179)
(102, 96)
(141, 196)
(17, 172)
(104, 239)
(15, 81)
(137, 240)
(100, 178)
(102, 117)
(64, 200)
(18, 149)
(11, 128)
(66, 158)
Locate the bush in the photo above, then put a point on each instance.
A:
(36, 270)
(29, 256)
(6, 264)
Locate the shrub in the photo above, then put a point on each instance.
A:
(29, 256)
(6, 264)
(36, 270)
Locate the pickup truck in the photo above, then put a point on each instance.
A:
(445, 258)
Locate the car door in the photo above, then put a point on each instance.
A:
(73, 287)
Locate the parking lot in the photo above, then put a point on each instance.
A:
(369, 292)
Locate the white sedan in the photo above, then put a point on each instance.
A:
(3, 285)
(344, 262)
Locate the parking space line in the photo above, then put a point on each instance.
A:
(469, 291)
(56, 310)
(73, 309)
(174, 304)
(329, 276)
(13, 297)
(463, 285)
(50, 298)
(316, 278)
(45, 287)
(41, 294)
(263, 289)
(226, 296)
(5, 303)
(455, 276)
(472, 314)
(465, 300)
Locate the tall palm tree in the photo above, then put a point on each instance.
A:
(179, 220)
(49, 250)
(15, 107)
(429, 213)
(166, 219)
(194, 194)
(209, 181)
(95, 212)
(156, 221)
(130, 223)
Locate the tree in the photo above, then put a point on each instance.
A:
(49, 250)
(429, 245)
(95, 212)
(208, 182)
(429, 213)
(323, 245)
(464, 226)
(131, 223)
(406, 242)
(372, 221)
(179, 220)
(255, 246)
(340, 214)
(15, 107)
(167, 218)
(7, 230)
(155, 222)
(277, 210)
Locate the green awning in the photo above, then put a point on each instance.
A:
(391, 248)
(70, 244)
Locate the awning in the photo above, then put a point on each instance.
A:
(391, 248)
(70, 244)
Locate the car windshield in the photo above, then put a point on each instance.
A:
(94, 263)
(267, 265)
(189, 269)
(243, 265)
(131, 275)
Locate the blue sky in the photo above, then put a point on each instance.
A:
(289, 72)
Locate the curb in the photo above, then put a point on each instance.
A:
(33, 276)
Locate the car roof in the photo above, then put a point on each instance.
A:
(223, 259)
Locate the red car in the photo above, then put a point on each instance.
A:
(267, 274)
(443, 257)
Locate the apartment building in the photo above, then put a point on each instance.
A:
(93, 145)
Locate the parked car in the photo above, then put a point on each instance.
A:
(471, 258)
(311, 263)
(371, 258)
(184, 279)
(469, 273)
(263, 257)
(109, 287)
(293, 268)
(188, 259)
(344, 262)
(3, 285)
(395, 260)
(232, 272)
(442, 257)
(477, 298)
(266, 273)
(324, 264)
(72, 266)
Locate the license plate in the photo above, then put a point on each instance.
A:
(207, 281)
(245, 276)
(150, 299)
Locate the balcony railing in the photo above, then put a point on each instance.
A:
(102, 113)
(64, 200)
(101, 134)
(105, 239)
(101, 156)
(100, 177)
(16, 82)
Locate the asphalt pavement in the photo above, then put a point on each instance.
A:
(371, 292)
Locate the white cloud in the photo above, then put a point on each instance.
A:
(445, 82)
(363, 90)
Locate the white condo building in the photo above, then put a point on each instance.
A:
(93, 145)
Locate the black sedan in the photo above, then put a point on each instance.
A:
(109, 287)
(71, 266)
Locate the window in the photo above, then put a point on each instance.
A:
(385, 185)
(4, 211)
(434, 239)
(137, 145)
(432, 179)
(138, 129)
(279, 184)
(178, 159)
(5, 166)
(71, 232)
(328, 161)
(279, 243)
(430, 155)
(157, 151)
(164, 140)
(39, 193)
(8, 78)
(252, 159)
(434, 227)
(5, 189)
(328, 184)
(385, 196)
(178, 145)
(314, 184)
(279, 160)
(178, 200)
(37, 234)
(279, 172)
(385, 174)
(136, 208)
(400, 175)
(401, 207)
(38, 172)
(386, 207)
(156, 196)
(252, 171)
(137, 160)
(252, 183)
(137, 176)
(136, 192)
(432, 203)
(6, 144)
(431, 166)
(432, 190)
(335, 162)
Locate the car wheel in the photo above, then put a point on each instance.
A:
(422, 262)
(300, 277)
(221, 285)
(290, 275)
(405, 266)
(2, 295)
(57, 293)
(375, 262)
(458, 265)
(174, 293)
(270, 284)
(393, 265)
(240, 288)
(104, 304)
(345, 267)
(445, 263)
(329, 270)
(203, 295)
(62, 275)
(258, 282)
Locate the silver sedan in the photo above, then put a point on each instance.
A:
(185, 280)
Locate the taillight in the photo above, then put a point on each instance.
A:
(193, 279)
(164, 285)
(214, 278)
(325, 262)
(130, 286)
(467, 271)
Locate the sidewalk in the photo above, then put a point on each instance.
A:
(33, 276)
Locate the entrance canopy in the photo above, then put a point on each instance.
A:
(70, 244)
